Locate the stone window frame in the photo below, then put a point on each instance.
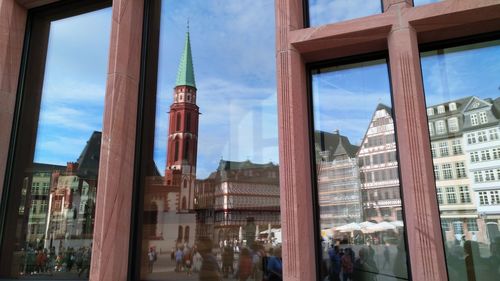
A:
(400, 29)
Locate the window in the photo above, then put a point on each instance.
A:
(209, 158)
(494, 197)
(440, 109)
(478, 176)
(433, 150)
(469, 114)
(483, 198)
(431, 129)
(460, 170)
(472, 225)
(430, 112)
(471, 138)
(456, 146)
(481, 137)
(443, 149)
(447, 175)
(453, 124)
(464, 194)
(483, 119)
(58, 136)
(474, 120)
(376, 119)
(489, 175)
(331, 11)
(440, 127)
(493, 134)
(440, 195)
(496, 153)
(452, 106)
(436, 172)
(485, 155)
(474, 156)
(451, 197)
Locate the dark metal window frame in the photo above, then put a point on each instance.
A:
(27, 107)
(310, 68)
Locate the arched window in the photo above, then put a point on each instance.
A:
(179, 234)
(185, 183)
(184, 207)
(176, 150)
(188, 121)
(178, 121)
(186, 150)
(186, 234)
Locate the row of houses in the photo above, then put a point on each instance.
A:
(361, 183)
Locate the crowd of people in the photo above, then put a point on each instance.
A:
(230, 261)
(36, 261)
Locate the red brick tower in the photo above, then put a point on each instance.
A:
(182, 144)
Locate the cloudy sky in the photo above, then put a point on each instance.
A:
(74, 86)
(233, 51)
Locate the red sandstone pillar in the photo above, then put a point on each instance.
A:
(423, 227)
(12, 25)
(116, 167)
(298, 251)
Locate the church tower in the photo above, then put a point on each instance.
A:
(182, 144)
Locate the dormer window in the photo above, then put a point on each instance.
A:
(483, 118)
(452, 106)
(441, 109)
(474, 120)
(430, 111)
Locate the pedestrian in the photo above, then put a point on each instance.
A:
(347, 265)
(334, 271)
(275, 266)
(188, 261)
(178, 259)
(209, 268)
(245, 265)
(151, 259)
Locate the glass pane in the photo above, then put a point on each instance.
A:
(423, 2)
(331, 11)
(55, 217)
(358, 185)
(462, 89)
(211, 198)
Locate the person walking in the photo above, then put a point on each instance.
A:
(151, 259)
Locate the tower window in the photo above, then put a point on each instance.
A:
(176, 150)
(188, 121)
(178, 121)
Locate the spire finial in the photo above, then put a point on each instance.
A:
(188, 24)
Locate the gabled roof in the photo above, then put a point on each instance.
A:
(335, 143)
(88, 162)
(185, 73)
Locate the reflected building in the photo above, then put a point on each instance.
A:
(482, 147)
(458, 209)
(379, 169)
(60, 200)
(239, 201)
(169, 219)
(339, 186)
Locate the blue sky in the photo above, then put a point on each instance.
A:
(74, 86)
(234, 59)
(331, 11)
(233, 50)
(345, 97)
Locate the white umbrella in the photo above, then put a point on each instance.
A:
(366, 224)
(397, 223)
(350, 227)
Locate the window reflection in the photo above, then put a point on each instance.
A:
(463, 99)
(211, 204)
(54, 221)
(362, 229)
(332, 11)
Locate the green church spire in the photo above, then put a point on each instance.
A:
(185, 74)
